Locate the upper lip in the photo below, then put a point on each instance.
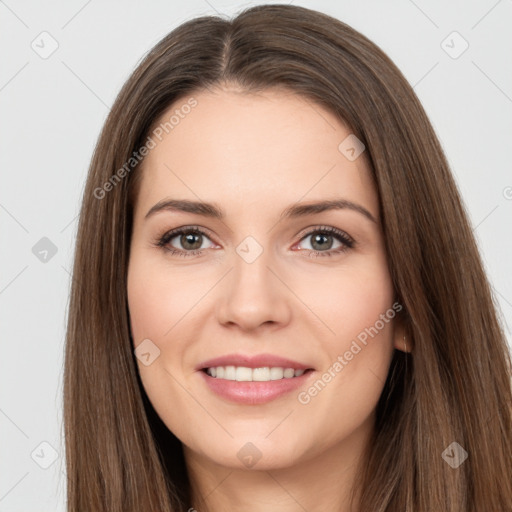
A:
(252, 361)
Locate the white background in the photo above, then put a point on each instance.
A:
(52, 111)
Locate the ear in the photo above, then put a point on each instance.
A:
(402, 340)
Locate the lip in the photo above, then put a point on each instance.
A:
(254, 393)
(255, 361)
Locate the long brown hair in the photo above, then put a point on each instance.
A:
(456, 384)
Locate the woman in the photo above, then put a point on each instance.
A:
(328, 341)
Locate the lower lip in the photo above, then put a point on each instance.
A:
(254, 393)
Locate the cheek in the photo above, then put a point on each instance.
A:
(157, 299)
(359, 302)
(149, 308)
(349, 299)
(359, 313)
(367, 326)
(155, 309)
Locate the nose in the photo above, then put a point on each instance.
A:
(254, 294)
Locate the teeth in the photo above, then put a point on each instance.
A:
(230, 373)
(261, 374)
(276, 373)
(289, 373)
(244, 374)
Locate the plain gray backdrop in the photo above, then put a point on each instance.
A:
(63, 63)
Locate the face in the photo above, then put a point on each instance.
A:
(263, 283)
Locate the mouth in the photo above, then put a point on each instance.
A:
(273, 383)
(254, 380)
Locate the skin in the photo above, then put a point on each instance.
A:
(254, 155)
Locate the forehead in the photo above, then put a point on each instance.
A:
(273, 146)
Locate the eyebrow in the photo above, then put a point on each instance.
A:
(298, 210)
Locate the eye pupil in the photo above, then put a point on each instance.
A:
(318, 239)
(189, 239)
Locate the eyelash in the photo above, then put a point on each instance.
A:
(163, 240)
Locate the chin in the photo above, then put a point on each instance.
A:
(258, 454)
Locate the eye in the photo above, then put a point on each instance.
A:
(322, 241)
(191, 240)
